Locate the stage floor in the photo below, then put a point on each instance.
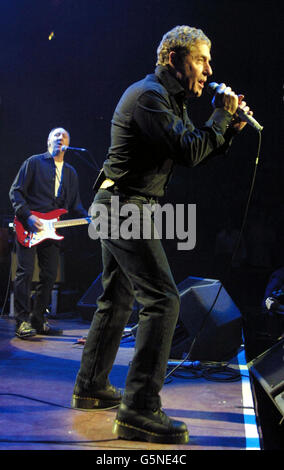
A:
(36, 383)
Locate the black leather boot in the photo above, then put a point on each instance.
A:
(103, 399)
(149, 425)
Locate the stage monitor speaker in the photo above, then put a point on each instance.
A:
(268, 369)
(219, 334)
(88, 303)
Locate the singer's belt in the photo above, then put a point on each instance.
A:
(106, 183)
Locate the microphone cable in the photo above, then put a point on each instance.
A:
(206, 317)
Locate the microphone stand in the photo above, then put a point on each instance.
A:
(94, 167)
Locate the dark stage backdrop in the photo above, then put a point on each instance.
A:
(66, 63)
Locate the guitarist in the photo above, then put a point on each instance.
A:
(44, 183)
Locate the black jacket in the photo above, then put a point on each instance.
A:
(33, 188)
(151, 131)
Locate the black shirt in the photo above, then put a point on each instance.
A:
(151, 131)
(34, 188)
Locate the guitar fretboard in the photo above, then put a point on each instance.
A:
(72, 222)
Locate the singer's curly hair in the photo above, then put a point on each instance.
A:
(179, 39)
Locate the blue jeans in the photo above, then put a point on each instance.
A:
(132, 269)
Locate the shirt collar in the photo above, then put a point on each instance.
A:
(47, 155)
(166, 75)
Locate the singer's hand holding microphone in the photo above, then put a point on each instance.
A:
(225, 98)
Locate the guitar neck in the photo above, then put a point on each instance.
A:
(72, 222)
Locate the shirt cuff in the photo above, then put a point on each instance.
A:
(220, 119)
(23, 213)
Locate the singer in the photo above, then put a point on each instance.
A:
(44, 183)
(151, 132)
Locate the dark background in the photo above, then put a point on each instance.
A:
(74, 80)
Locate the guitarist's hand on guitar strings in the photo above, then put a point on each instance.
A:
(35, 223)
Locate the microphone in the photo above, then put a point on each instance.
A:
(242, 114)
(65, 147)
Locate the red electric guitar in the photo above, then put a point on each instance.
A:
(50, 222)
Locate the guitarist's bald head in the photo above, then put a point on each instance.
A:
(56, 138)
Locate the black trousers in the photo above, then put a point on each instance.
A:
(48, 256)
(134, 268)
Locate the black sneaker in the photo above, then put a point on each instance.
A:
(48, 330)
(149, 425)
(104, 399)
(25, 330)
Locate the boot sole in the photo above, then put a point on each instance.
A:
(92, 404)
(25, 336)
(128, 432)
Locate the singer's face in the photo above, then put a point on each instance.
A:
(56, 139)
(196, 69)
